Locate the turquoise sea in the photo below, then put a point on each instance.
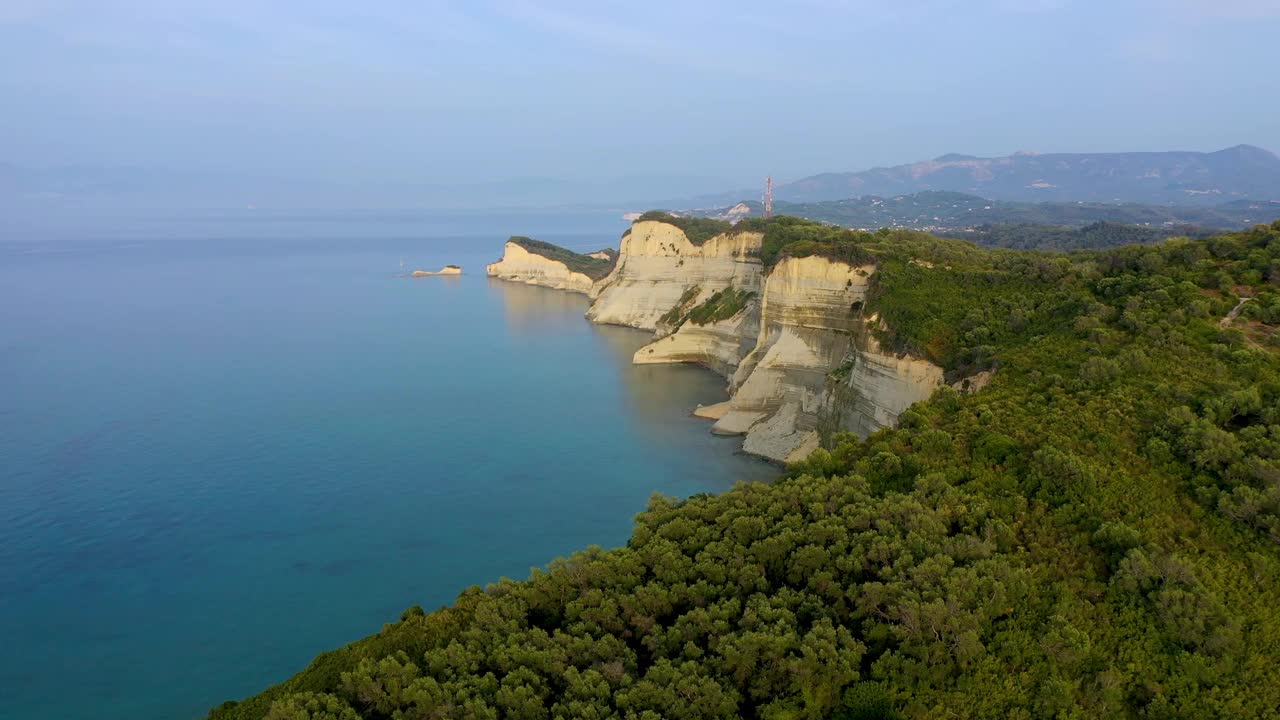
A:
(231, 441)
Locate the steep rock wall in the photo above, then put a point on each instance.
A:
(815, 368)
(810, 313)
(658, 265)
(720, 345)
(800, 356)
(520, 265)
(879, 386)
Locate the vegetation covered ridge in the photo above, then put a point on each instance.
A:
(1097, 236)
(592, 267)
(720, 305)
(1095, 534)
(697, 229)
(1028, 225)
(936, 209)
(800, 236)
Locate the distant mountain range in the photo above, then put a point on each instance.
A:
(1162, 178)
(939, 211)
(1024, 225)
(1243, 172)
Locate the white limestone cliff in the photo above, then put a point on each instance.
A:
(800, 354)
(780, 351)
(808, 324)
(810, 311)
(877, 386)
(719, 345)
(658, 265)
(520, 265)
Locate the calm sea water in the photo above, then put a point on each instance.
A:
(228, 444)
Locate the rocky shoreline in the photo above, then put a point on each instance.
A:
(792, 340)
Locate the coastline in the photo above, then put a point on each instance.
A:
(789, 335)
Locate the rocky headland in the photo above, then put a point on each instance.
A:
(791, 335)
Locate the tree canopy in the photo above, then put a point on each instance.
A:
(1095, 236)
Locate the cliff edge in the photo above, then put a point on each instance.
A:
(780, 308)
(660, 268)
(535, 262)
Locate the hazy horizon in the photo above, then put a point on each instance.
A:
(514, 103)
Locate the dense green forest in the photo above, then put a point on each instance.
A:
(1098, 236)
(594, 268)
(1095, 534)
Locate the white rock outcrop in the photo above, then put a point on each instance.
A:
(520, 265)
(719, 345)
(810, 312)
(879, 386)
(808, 324)
(658, 265)
(783, 437)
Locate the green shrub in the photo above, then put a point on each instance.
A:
(722, 305)
(698, 230)
(676, 315)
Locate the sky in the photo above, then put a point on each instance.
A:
(719, 93)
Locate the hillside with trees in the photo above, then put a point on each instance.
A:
(929, 210)
(1094, 534)
(1098, 236)
(951, 211)
(1023, 225)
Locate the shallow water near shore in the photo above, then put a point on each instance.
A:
(223, 456)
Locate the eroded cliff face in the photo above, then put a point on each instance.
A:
(520, 265)
(810, 312)
(801, 360)
(719, 345)
(659, 268)
(797, 348)
(871, 387)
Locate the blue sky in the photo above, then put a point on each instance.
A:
(730, 91)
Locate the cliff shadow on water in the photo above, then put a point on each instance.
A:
(528, 309)
(659, 398)
(651, 389)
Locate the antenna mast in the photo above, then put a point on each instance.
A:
(768, 197)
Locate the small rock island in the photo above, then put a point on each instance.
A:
(446, 270)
